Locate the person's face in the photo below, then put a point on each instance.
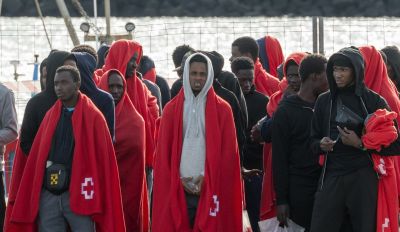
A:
(197, 76)
(65, 87)
(70, 63)
(246, 79)
(344, 76)
(116, 87)
(293, 78)
(321, 82)
(44, 76)
(131, 66)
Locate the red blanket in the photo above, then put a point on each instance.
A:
(265, 83)
(220, 204)
(94, 166)
(17, 171)
(376, 78)
(130, 152)
(118, 56)
(275, 55)
(267, 206)
(380, 131)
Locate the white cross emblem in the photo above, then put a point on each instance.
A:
(213, 212)
(87, 188)
(385, 224)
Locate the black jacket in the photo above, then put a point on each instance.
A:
(103, 100)
(291, 152)
(162, 83)
(39, 104)
(256, 108)
(364, 102)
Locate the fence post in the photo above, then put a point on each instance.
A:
(67, 19)
(315, 34)
(321, 35)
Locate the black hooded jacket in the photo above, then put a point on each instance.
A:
(146, 64)
(291, 151)
(101, 55)
(103, 100)
(361, 101)
(38, 105)
(393, 58)
(42, 65)
(229, 81)
(256, 103)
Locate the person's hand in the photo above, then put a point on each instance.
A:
(327, 144)
(250, 173)
(198, 184)
(188, 185)
(256, 134)
(282, 214)
(349, 137)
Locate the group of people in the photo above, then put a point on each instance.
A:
(108, 146)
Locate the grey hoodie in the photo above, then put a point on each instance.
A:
(194, 134)
(8, 118)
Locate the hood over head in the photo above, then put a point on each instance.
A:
(104, 48)
(186, 83)
(217, 61)
(86, 66)
(347, 56)
(120, 53)
(54, 61)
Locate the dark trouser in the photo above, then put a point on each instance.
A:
(301, 199)
(253, 186)
(2, 201)
(353, 196)
(192, 202)
(55, 215)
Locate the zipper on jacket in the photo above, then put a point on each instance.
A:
(326, 155)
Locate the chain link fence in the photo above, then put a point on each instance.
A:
(22, 38)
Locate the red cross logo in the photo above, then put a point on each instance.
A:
(213, 212)
(87, 188)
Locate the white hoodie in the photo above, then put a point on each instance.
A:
(194, 133)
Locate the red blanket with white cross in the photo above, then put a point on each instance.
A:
(220, 203)
(94, 186)
(380, 132)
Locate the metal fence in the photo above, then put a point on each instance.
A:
(22, 38)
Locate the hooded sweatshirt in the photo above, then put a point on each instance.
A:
(256, 106)
(39, 104)
(361, 101)
(230, 98)
(42, 65)
(220, 202)
(101, 55)
(229, 81)
(103, 100)
(393, 58)
(291, 151)
(194, 135)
